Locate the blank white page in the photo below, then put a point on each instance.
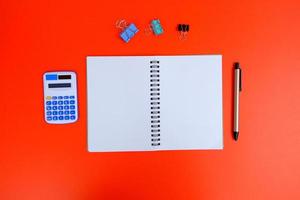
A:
(118, 104)
(191, 102)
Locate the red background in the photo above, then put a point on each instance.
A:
(42, 161)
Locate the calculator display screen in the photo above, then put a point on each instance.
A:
(62, 77)
(59, 85)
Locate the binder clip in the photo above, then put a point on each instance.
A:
(128, 31)
(155, 27)
(183, 30)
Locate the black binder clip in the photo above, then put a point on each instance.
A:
(183, 31)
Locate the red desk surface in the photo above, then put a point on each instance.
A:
(42, 161)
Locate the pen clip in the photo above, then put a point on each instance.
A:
(240, 84)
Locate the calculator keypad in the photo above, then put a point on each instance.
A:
(60, 108)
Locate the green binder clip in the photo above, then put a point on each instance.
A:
(156, 27)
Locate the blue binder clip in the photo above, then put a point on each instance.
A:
(127, 31)
(156, 27)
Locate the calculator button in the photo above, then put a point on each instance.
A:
(49, 118)
(60, 112)
(48, 102)
(72, 97)
(67, 112)
(72, 102)
(54, 97)
(72, 107)
(61, 118)
(49, 113)
(67, 117)
(66, 107)
(60, 97)
(54, 107)
(54, 112)
(60, 107)
(72, 112)
(48, 108)
(66, 102)
(55, 118)
(66, 97)
(60, 102)
(72, 117)
(48, 97)
(54, 102)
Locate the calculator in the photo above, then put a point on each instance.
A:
(60, 97)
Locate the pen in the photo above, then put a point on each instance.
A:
(237, 90)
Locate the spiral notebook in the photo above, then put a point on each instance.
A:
(147, 103)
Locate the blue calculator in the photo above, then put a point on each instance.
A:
(60, 97)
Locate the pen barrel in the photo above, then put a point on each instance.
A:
(236, 99)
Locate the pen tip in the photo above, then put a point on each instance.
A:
(235, 135)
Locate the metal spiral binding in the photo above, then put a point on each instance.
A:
(155, 102)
